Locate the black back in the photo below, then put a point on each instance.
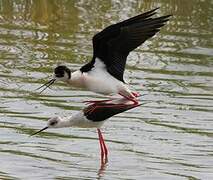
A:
(101, 111)
(113, 44)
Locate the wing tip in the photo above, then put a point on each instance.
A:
(154, 12)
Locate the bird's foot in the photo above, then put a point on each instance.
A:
(134, 100)
(131, 98)
(136, 94)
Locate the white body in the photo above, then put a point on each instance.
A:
(99, 80)
(79, 119)
(76, 120)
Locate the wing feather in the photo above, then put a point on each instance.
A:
(113, 44)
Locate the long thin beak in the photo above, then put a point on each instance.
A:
(39, 131)
(46, 85)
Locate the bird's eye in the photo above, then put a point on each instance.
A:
(52, 123)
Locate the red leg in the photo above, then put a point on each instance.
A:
(91, 109)
(101, 146)
(136, 94)
(104, 145)
(93, 102)
(130, 98)
(104, 151)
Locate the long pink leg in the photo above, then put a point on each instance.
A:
(104, 151)
(90, 110)
(130, 98)
(104, 145)
(101, 146)
(97, 104)
(93, 102)
(136, 94)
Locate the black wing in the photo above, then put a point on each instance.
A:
(101, 111)
(113, 44)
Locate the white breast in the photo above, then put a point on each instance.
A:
(79, 120)
(77, 79)
(100, 81)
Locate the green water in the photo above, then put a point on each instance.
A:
(169, 137)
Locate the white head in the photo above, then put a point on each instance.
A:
(54, 122)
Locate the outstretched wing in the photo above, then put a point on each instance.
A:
(113, 44)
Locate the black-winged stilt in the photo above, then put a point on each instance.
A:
(104, 73)
(93, 116)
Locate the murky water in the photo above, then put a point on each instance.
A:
(169, 137)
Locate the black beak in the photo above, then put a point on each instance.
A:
(39, 131)
(46, 85)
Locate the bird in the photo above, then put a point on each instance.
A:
(93, 116)
(111, 47)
